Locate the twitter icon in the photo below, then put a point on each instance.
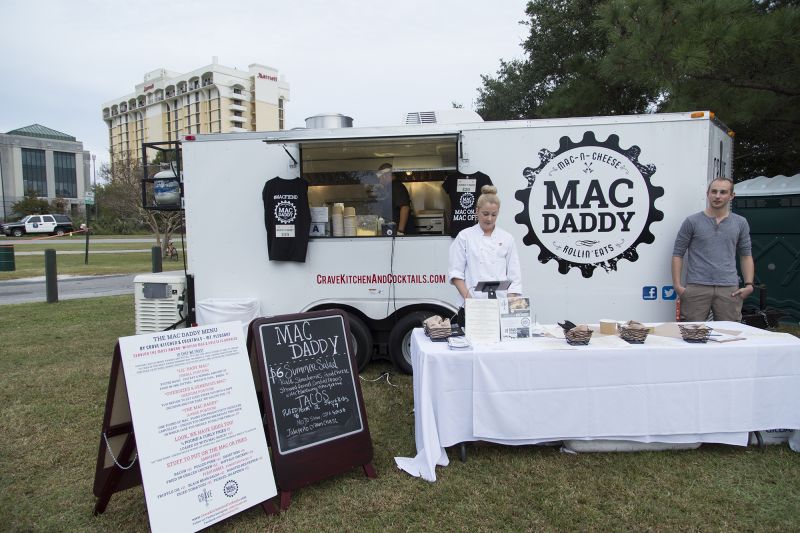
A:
(668, 292)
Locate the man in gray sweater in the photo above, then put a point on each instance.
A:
(710, 240)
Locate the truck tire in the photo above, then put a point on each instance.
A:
(17, 232)
(362, 341)
(400, 339)
(59, 232)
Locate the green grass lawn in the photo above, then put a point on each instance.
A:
(80, 246)
(28, 266)
(54, 369)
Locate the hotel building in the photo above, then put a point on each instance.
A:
(210, 99)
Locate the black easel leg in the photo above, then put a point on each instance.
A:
(109, 487)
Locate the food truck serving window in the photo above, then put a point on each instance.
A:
(356, 186)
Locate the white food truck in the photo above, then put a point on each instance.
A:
(593, 204)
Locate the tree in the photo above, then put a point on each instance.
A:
(738, 58)
(31, 204)
(59, 204)
(561, 75)
(122, 196)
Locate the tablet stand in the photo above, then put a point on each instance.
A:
(491, 287)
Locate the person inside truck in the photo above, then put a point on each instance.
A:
(710, 240)
(398, 204)
(484, 252)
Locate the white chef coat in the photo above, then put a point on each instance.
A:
(475, 257)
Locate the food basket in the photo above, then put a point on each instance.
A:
(694, 332)
(633, 332)
(578, 336)
(438, 329)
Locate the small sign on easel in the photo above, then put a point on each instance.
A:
(312, 398)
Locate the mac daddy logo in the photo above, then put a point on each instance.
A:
(285, 212)
(589, 204)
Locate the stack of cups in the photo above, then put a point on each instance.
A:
(337, 221)
(349, 221)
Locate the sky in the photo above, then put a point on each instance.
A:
(372, 60)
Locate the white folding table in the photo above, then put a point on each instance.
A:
(541, 390)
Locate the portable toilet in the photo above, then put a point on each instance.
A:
(772, 208)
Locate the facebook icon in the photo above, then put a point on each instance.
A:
(649, 292)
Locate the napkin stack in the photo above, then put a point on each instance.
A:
(436, 327)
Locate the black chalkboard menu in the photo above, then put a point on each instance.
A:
(310, 381)
(311, 395)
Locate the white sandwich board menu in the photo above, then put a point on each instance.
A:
(201, 443)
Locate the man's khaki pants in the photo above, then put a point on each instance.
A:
(698, 300)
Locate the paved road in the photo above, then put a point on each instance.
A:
(69, 287)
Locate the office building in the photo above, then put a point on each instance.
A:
(210, 99)
(46, 161)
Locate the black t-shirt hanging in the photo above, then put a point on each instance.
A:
(287, 218)
(463, 190)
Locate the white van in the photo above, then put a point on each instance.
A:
(594, 205)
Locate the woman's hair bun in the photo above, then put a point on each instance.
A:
(488, 189)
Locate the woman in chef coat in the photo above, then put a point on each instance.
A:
(484, 252)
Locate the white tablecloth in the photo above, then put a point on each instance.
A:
(539, 390)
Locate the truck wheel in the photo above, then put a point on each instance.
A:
(362, 341)
(400, 339)
(59, 232)
(16, 232)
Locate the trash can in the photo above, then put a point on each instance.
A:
(772, 208)
(7, 263)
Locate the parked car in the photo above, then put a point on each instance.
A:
(37, 224)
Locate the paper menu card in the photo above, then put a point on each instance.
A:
(515, 317)
(482, 320)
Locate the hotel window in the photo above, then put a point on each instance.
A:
(66, 177)
(280, 113)
(34, 174)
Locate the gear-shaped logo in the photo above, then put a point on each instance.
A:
(467, 200)
(588, 204)
(285, 212)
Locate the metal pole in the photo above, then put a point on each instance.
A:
(3, 188)
(86, 252)
(51, 276)
(94, 184)
(155, 256)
